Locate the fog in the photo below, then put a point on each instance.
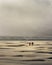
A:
(26, 18)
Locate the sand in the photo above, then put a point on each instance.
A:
(20, 53)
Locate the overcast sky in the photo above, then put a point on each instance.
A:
(26, 18)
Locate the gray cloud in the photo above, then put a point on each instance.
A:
(26, 18)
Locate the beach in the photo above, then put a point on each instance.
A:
(20, 53)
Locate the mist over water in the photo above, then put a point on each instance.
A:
(26, 18)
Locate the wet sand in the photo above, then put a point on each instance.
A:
(20, 53)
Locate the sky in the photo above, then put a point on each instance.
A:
(31, 18)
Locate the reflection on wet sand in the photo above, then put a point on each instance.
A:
(50, 58)
(34, 60)
(25, 52)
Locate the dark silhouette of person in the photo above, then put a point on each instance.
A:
(29, 44)
(32, 43)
